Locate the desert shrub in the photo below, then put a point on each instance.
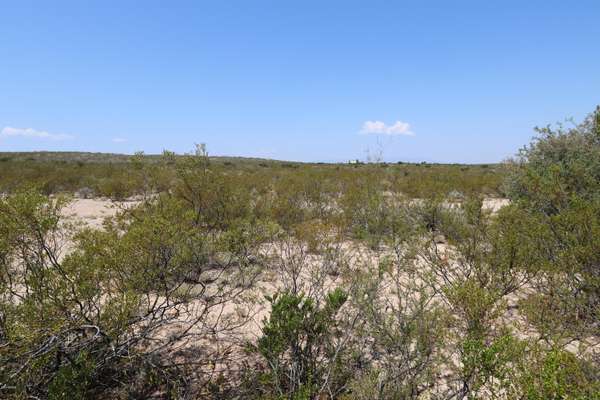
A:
(555, 181)
(116, 189)
(217, 200)
(365, 211)
(483, 263)
(557, 374)
(287, 206)
(431, 213)
(570, 279)
(488, 366)
(561, 163)
(92, 321)
(402, 333)
(299, 347)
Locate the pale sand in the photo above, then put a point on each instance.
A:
(495, 204)
(92, 212)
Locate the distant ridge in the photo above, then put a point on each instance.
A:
(103, 158)
(99, 158)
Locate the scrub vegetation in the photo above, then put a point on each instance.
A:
(120, 176)
(257, 279)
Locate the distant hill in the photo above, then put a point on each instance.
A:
(114, 158)
(102, 158)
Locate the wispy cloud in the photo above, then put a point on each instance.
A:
(9, 131)
(380, 128)
(119, 140)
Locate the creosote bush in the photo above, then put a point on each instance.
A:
(298, 346)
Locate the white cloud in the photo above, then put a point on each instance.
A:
(119, 140)
(9, 131)
(378, 127)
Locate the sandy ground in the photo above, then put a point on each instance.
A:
(495, 204)
(92, 212)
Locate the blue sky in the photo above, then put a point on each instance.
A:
(445, 81)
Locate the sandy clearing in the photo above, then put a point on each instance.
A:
(495, 204)
(92, 212)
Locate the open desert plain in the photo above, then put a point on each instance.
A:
(316, 200)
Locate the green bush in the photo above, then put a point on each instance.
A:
(298, 346)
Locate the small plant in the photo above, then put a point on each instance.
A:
(298, 345)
